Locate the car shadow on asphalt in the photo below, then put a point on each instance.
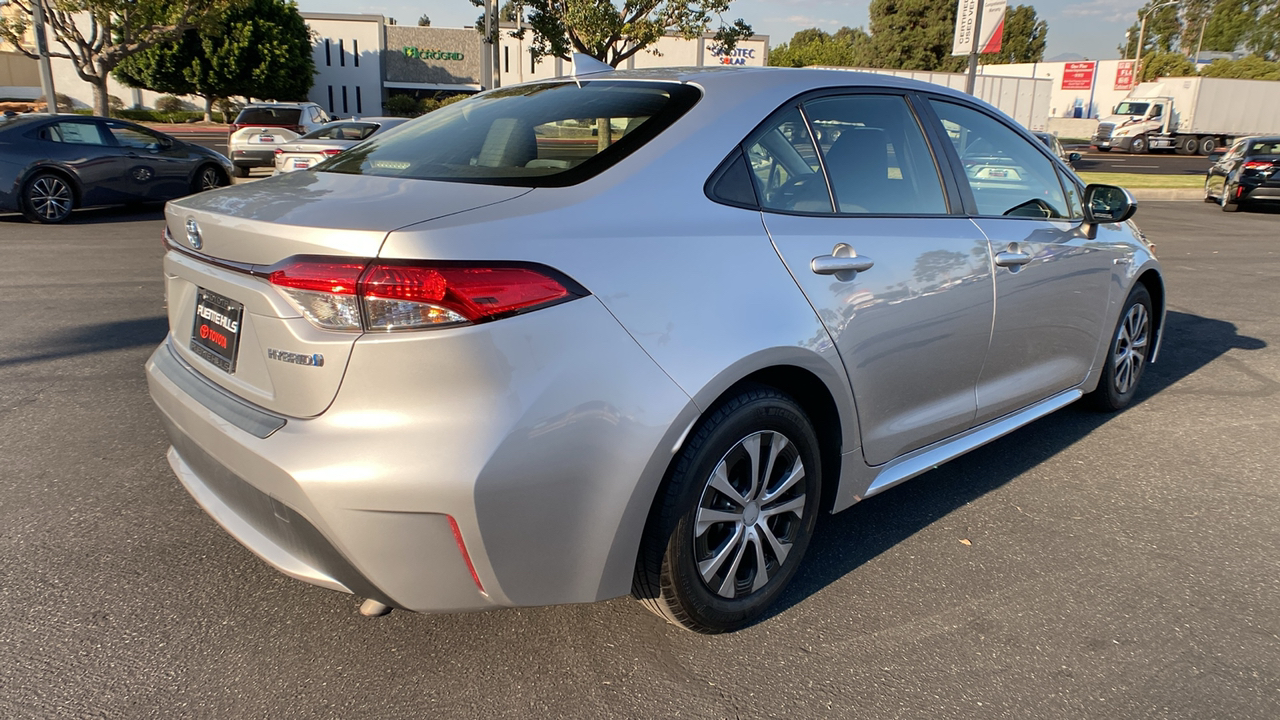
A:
(845, 541)
(138, 212)
(92, 339)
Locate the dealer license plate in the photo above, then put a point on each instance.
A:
(301, 164)
(216, 333)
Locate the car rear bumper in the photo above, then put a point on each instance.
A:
(254, 158)
(1269, 191)
(545, 453)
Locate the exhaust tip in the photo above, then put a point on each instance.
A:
(373, 608)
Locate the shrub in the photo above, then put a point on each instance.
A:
(65, 103)
(114, 104)
(403, 106)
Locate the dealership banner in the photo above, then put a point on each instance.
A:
(992, 26)
(1078, 75)
(1124, 75)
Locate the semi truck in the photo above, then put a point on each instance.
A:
(1190, 115)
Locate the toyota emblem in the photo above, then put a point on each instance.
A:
(193, 234)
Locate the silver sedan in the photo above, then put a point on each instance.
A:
(632, 333)
(329, 140)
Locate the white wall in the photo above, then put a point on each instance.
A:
(348, 57)
(673, 52)
(1097, 100)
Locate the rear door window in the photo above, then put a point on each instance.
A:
(539, 135)
(785, 165)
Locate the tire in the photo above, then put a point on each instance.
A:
(1208, 194)
(1208, 145)
(242, 171)
(208, 177)
(48, 198)
(1224, 200)
(1139, 145)
(1187, 145)
(753, 533)
(1127, 354)
(1103, 149)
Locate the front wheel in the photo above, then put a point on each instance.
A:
(209, 178)
(242, 171)
(1139, 145)
(1130, 349)
(734, 517)
(47, 198)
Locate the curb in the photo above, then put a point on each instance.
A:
(189, 129)
(1141, 194)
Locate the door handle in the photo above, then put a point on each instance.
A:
(843, 262)
(1012, 257)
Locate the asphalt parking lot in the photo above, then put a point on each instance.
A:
(1087, 566)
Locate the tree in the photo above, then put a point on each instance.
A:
(260, 49)
(98, 35)
(424, 21)
(1024, 37)
(1166, 64)
(1253, 67)
(1163, 30)
(913, 35)
(1228, 27)
(816, 47)
(611, 33)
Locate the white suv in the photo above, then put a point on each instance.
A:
(262, 127)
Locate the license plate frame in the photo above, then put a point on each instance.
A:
(215, 332)
(301, 164)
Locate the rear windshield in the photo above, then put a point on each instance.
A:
(1265, 147)
(342, 131)
(541, 135)
(268, 116)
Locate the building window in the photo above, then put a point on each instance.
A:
(330, 98)
(344, 101)
(359, 107)
(327, 59)
(342, 56)
(355, 58)
(506, 59)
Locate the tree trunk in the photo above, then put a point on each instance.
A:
(101, 104)
(208, 109)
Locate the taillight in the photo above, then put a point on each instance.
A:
(324, 290)
(330, 152)
(279, 151)
(352, 295)
(1257, 164)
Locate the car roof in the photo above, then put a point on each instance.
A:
(277, 104)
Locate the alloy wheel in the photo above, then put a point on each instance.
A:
(50, 198)
(210, 179)
(1131, 348)
(749, 515)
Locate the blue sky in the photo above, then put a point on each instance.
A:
(1092, 28)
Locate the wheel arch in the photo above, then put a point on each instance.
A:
(1154, 283)
(77, 192)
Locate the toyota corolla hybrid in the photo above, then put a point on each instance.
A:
(632, 332)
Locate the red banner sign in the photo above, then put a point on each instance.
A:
(1124, 75)
(1078, 75)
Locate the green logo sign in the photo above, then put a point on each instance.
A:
(425, 54)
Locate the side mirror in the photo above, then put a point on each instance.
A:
(1106, 204)
(1073, 157)
(1215, 156)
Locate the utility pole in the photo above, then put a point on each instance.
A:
(42, 49)
(973, 51)
(486, 62)
(1142, 30)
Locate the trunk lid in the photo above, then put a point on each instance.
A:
(278, 359)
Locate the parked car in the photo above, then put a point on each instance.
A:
(519, 352)
(1056, 146)
(260, 128)
(1248, 172)
(52, 164)
(329, 140)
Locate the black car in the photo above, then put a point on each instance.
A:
(1247, 173)
(1057, 148)
(51, 164)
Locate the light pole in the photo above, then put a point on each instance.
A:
(1142, 30)
(42, 49)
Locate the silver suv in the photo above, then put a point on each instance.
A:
(260, 128)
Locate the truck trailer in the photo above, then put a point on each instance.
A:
(1190, 115)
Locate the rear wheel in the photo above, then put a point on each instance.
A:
(735, 515)
(1130, 348)
(47, 198)
(242, 171)
(1187, 145)
(1225, 201)
(1208, 144)
(1208, 194)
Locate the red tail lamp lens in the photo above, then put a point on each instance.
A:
(335, 278)
(476, 293)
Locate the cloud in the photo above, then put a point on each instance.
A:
(1108, 10)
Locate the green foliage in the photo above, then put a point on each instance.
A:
(1166, 64)
(1253, 67)
(403, 106)
(169, 104)
(115, 104)
(259, 49)
(612, 32)
(65, 103)
(913, 35)
(816, 47)
(1214, 25)
(1024, 37)
(424, 21)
